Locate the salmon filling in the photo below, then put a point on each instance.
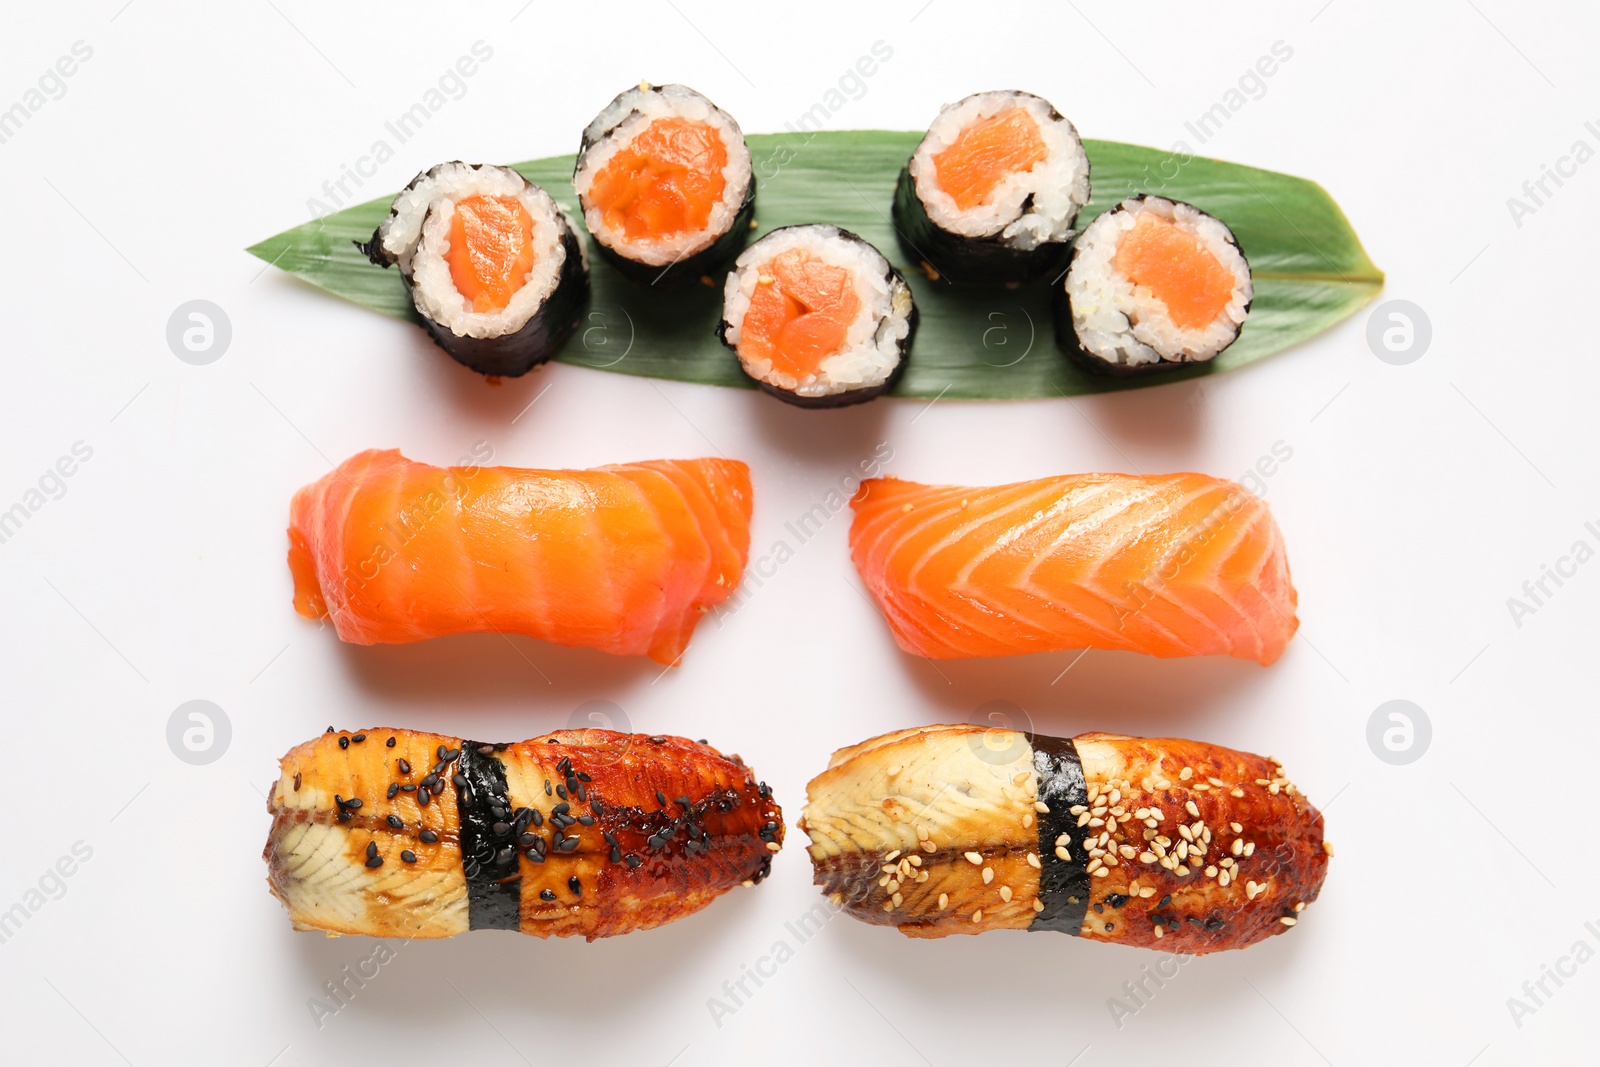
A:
(491, 250)
(1177, 269)
(988, 152)
(664, 183)
(800, 313)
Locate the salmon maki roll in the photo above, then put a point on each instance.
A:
(664, 179)
(589, 833)
(818, 317)
(1167, 565)
(992, 192)
(1154, 284)
(625, 559)
(492, 264)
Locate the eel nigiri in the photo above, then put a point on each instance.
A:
(624, 558)
(1168, 565)
(1151, 842)
(580, 832)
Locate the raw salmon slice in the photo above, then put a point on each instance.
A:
(624, 559)
(665, 182)
(800, 313)
(491, 250)
(987, 153)
(1177, 268)
(1168, 565)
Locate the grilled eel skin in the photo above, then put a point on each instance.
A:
(1155, 842)
(399, 833)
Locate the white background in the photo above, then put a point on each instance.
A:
(1418, 499)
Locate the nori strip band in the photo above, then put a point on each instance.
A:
(965, 260)
(494, 879)
(1063, 883)
(541, 337)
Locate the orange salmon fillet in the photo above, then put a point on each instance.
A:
(1168, 565)
(623, 558)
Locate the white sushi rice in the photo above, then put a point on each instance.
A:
(399, 233)
(1028, 209)
(623, 120)
(873, 346)
(1126, 324)
(434, 289)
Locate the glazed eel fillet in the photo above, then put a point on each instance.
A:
(580, 832)
(1154, 842)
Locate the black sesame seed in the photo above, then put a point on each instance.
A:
(1214, 924)
(633, 860)
(429, 781)
(344, 742)
(505, 856)
(661, 798)
(586, 820)
(1110, 927)
(616, 854)
(404, 765)
(394, 821)
(653, 740)
(394, 787)
(374, 861)
(1116, 900)
(485, 750)
(372, 849)
(428, 837)
(1099, 909)
(297, 781)
(408, 788)
(569, 845)
(534, 856)
(422, 797)
(407, 856)
(561, 791)
(330, 730)
(527, 840)
(358, 738)
(561, 809)
(460, 780)
(537, 818)
(353, 803)
(575, 885)
(500, 829)
(684, 803)
(582, 777)
(547, 787)
(451, 755)
(765, 790)
(439, 752)
(583, 793)
(1165, 901)
(389, 743)
(344, 816)
(547, 894)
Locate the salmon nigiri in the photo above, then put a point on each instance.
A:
(624, 559)
(1168, 565)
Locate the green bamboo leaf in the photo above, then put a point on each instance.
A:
(1310, 269)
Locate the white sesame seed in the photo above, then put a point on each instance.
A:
(1033, 859)
(1164, 783)
(1250, 848)
(1005, 893)
(890, 858)
(1147, 857)
(1027, 820)
(922, 832)
(977, 916)
(974, 858)
(915, 861)
(1288, 920)
(773, 846)
(929, 846)
(1062, 853)
(1190, 807)
(896, 899)
(1146, 892)
(1102, 872)
(1038, 905)
(1236, 828)
(1299, 905)
(1160, 932)
(1236, 792)
(1327, 846)
(1186, 774)
(988, 875)
(944, 901)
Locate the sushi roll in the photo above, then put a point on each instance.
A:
(664, 179)
(992, 191)
(492, 265)
(817, 317)
(1154, 283)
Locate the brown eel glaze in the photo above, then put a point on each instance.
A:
(1154, 842)
(399, 833)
